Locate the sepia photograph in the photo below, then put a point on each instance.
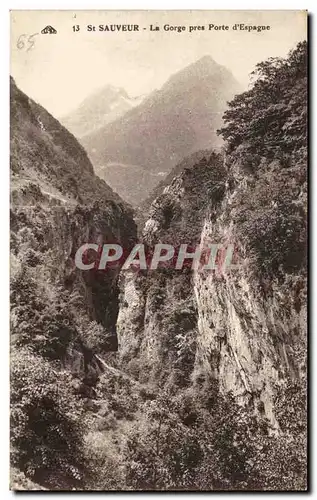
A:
(158, 250)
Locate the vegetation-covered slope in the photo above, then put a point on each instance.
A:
(60, 317)
(42, 150)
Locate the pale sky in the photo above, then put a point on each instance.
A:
(60, 70)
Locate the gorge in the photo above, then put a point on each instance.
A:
(166, 379)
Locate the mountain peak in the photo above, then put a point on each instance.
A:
(205, 67)
(206, 59)
(105, 105)
(106, 94)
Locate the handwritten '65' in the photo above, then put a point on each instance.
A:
(26, 42)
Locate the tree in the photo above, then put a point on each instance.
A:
(270, 119)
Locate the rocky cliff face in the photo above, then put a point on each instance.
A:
(239, 327)
(45, 237)
(245, 340)
(48, 224)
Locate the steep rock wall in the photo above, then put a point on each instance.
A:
(237, 327)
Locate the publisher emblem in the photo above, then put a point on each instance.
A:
(49, 30)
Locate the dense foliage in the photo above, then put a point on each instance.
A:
(202, 182)
(266, 154)
(270, 119)
(47, 422)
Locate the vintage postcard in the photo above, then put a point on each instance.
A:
(158, 250)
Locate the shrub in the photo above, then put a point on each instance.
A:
(46, 422)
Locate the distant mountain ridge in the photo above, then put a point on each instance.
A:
(100, 108)
(170, 124)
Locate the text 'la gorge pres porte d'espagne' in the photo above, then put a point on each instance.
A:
(172, 28)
